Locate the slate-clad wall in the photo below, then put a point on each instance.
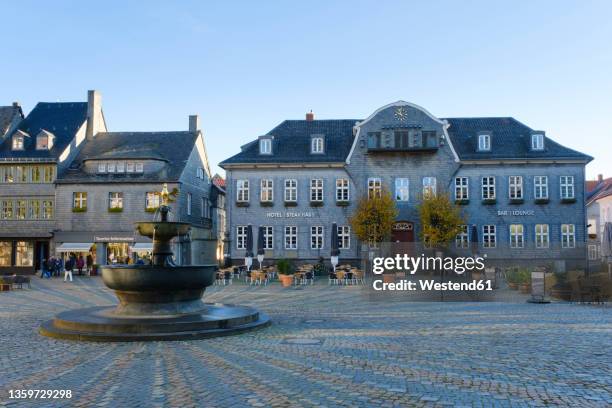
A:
(391, 165)
(255, 214)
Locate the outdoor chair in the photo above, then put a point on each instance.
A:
(247, 277)
(236, 272)
(307, 278)
(349, 278)
(218, 278)
(20, 280)
(333, 278)
(227, 278)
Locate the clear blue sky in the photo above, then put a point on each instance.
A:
(246, 66)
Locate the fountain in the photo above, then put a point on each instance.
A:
(160, 301)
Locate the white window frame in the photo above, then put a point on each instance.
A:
(266, 190)
(374, 187)
(317, 145)
(241, 235)
(402, 189)
(568, 236)
(115, 199)
(139, 168)
(344, 237)
(47, 210)
(152, 200)
(291, 237)
(18, 142)
(291, 192)
(430, 184)
(484, 142)
(515, 187)
(537, 141)
(517, 235)
(342, 189)
(592, 226)
(268, 237)
(593, 252)
(540, 187)
(489, 236)
(242, 191)
(129, 167)
(542, 236)
(462, 189)
(566, 183)
(317, 233)
(489, 187)
(102, 167)
(316, 190)
(120, 167)
(79, 199)
(462, 239)
(265, 146)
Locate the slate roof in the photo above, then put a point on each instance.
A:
(292, 143)
(7, 115)
(510, 139)
(172, 147)
(603, 189)
(63, 119)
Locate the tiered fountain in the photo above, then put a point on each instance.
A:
(161, 301)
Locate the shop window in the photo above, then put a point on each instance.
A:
(24, 253)
(6, 253)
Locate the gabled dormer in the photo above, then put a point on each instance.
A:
(44, 140)
(537, 140)
(317, 144)
(19, 139)
(484, 142)
(266, 145)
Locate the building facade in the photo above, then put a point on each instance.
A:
(523, 191)
(67, 185)
(599, 211)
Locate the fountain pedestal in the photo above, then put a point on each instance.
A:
(160, 301)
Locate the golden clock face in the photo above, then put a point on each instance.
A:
(401, 113)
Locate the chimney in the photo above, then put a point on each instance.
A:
(94, 114)
(16, 104)
(310, 116)
(599, 178)
(194, 123)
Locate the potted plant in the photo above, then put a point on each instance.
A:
(561, 289)
(524, 280)
(512, 279)
(285, 272)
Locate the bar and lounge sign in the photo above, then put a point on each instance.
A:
(290, 214)
(515, 213)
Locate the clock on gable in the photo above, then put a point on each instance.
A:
(401, 113)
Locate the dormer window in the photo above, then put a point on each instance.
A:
(537, 141)
(44, 140)
(265, 146)
(18, 141)
(316, 145)
(484, 142)
(139, 167)
(110, 167)
(102, 167)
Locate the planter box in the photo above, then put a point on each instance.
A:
(242, 204)
(541, 200)
(342, 203)
(316, 203)
(513, 285)
(489, 201)
(79, 210)
(291, 203)
(568, 200)
(266, 203)
(464, 201)
(516, 201)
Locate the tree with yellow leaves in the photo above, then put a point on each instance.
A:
(373, 218)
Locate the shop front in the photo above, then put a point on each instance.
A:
(22, 255)
(105, 248)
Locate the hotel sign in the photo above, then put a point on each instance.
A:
(290, 214)
(515, 213)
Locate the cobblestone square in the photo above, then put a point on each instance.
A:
(327, 347)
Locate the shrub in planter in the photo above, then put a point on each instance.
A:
(512, 279)
(285, 272)
(524, 276)
(561, 289)
(79, 209)
(115, 210)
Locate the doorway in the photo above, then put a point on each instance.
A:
(402, 231)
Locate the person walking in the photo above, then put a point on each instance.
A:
(68, 269)
(80, 264)
(89, 261)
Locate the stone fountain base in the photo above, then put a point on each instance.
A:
(103, 324)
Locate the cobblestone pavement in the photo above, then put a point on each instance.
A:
(327, 346)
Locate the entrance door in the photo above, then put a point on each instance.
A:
(41, 252)
(403, 231)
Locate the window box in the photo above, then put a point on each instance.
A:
(242, 203)
(115, 210)
(291, 203)
(266, 203)
(568, 200)
(541, 200)
(316, 203)
(151, 210)
(343, 203)
(79, 209)
(463, 201)
(489, 201)
(516, 201)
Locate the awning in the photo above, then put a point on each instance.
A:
(142, 247)
(74, 247)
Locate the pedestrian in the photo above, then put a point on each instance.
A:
(68, 269)
(89, 260)
(80, 264)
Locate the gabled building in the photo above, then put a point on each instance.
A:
(599, 211)
(523, 191)
(33, 152)
(116, 180)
